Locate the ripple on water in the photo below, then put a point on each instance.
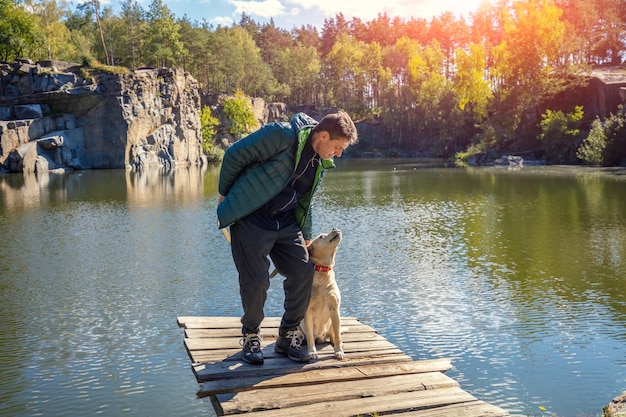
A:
(439, 265)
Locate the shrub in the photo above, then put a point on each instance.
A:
(239, 111)
(606, 142)
(561, 135)
(592, 149)
(208, 123)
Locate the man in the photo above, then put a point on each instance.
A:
(266, 184)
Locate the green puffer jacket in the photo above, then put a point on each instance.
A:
(257, 167)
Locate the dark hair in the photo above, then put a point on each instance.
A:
(339, 126)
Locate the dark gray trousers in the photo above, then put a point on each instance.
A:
(251, 246)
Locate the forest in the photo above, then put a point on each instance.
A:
(445, 87)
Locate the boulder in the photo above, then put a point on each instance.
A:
(276, 112)
(27, 111)
(509, 160)
(51, 142)
(617, 407)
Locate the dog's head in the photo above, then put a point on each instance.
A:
(323, 248)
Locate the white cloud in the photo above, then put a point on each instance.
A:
(294, 13)
(370, 9)
(262, 8)
(224, 21)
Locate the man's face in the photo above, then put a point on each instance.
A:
(325, 147)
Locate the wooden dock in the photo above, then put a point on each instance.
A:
(375, 378)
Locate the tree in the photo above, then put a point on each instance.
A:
(330, 32)
(56, 35)
(416, 29)
(195, 39)
(380, 31)
(345, 73)
(271, 40)
(134, 27)
(238, 64)
(374, 77)
(437, 111)
(397, 96)
(299, 69)
(307, 36)
(526, 68)
(96, 4)
(580, 18)
(249, 25)
(470, 83)
(82, 29)
(609, 32)
(19, 32)
(487, 26)
(163, 46)
(449, 34)
(238, 109)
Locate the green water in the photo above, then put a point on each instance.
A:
(518, 276)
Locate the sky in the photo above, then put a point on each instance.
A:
(288, 14)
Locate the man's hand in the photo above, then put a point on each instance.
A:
(220, 199)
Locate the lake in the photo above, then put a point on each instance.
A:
(517, 275)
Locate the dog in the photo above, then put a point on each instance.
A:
(321, 321)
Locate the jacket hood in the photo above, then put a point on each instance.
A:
(301, 120)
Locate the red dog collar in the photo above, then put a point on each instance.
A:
(319, 268)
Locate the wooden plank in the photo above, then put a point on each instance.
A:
(348, 332)
(371, 405)
(214, 322)
(208, 351)
(195, 349)
(350, 343)
(472, 409)
(294, 396)
(245, 383)
(278, 366)
(230, 343)
(210, 357)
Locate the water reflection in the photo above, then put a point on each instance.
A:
(95, 267)
(32, 190)
(183, 184)
(517, 275)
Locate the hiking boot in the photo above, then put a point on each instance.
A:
(251, 352)
(290, 344)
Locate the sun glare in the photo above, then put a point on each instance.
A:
(431, 8)
(405, 9)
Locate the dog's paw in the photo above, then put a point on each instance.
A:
(313, 354)
(339, 354)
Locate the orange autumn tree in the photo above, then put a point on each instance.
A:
(527, 67)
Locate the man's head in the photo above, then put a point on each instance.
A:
(333, 134)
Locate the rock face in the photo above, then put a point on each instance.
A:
(54, 115)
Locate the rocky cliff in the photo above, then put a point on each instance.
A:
(59, 116)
